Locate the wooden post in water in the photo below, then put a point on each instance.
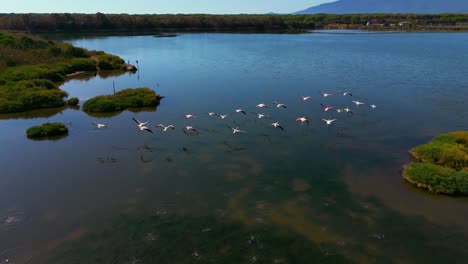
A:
(113, 85)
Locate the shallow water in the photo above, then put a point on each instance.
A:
(330, 194)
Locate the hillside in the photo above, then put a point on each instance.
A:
(393, 6)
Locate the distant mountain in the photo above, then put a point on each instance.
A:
(390, 6)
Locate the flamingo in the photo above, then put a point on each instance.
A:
(345, 93)
(328, 121)
(165, 128)
(260, 116)
(347, 110)
(139, 122)
(326, 107)
(358, 103)
(236, 130)
(278, 105)
(325, 94)
(100, 125)
(190, 128)
(240, 111)
(303, 120)
(221, 116)
(277, 124)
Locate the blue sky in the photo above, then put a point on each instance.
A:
(157, 6)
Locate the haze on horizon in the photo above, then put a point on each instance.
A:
(159, 6)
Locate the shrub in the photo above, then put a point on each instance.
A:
(442, 164)
(41, 71)
(109, 62)
(47, 130)
(74, 52)
(42, 99)
(73, 101)
(448, 150)
(81, 64)
(138, 97)
(55, 51)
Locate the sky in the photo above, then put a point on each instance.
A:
(157, 6)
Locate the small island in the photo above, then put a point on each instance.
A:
(32, 68)
(441, 166)
(73, 101)
(47, 130)
(131, 97)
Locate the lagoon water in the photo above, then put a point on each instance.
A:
(310, 194)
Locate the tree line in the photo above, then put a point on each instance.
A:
(66, 22)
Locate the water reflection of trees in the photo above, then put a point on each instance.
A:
(37, 113)
(113, 114)
(86, 76)
(50, 138)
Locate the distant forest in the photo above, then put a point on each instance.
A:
(66, 22)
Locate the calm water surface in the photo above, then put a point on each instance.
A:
(310, 194)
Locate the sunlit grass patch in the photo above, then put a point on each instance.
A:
(132, 97)
(441, 165)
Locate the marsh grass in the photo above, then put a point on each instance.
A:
(441, 165)
(32, 68)
(47, 130)
(132, 97)
(73, 101)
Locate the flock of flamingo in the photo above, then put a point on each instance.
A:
(190, 130)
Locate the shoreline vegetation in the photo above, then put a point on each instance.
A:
(47, 130)
(32, 68)
(128, 98)
(441, 165)
(274, 23)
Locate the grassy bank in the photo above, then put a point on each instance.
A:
(47, 130)
(441, 166)
(137, 97)
(32, 68)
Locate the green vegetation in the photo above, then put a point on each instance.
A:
(47, 130)
(137, 97)
(73, 101)
(202, 22)
(31, 70)
(108, 62)
(441, 166)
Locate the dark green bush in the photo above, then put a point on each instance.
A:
(74, 52)
(138, 97)
(437, 179)
(42, 99)
(55, 51)
(109, 62)
(81, 64)
(73, 101)
(104, 65)
(47, 130)
(29, 43)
